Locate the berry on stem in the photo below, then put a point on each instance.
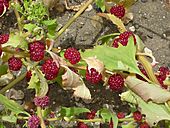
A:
(144, 125)
(33, 121)
(41, 101)
(116, 82)
(72, 55)
(4, 38)
(121, 115)
(50, 69)
(91, 115)
(28, 75)
(137, 116)
(14, 63)
(81, 125)
(93, 76)
(36, 50)
(118, 11)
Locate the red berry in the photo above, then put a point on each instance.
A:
(41, 101)
(2, 4)
(137, 116)
(118, 11)
(90, 115)
(93, 76)
(37, 50)
(50, 69)
(121, 115)
(164, 71)
(124, 37)
(33, 121)
(14, 63)
(161, 78)
(72, 55)
(28, 75)
(4, 38)
(116, 43)
(116, 82)
(82, 125)
(111, 124)
(144, 125)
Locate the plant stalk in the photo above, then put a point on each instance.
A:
(73, 18)
(39, 113)
(10, 85)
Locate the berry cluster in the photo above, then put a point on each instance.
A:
(91, 115)
(144, 125)
(120, 115)
(41, 101)
(93, 76)
(163, 72)
(72, 55)
(137, 116)
(123, 39)
(14, 63)
(3, 4)
(3, 39)
(116, 82)
(36, 50)
(81, 125)
(118, 11)
(50, 69)
(33, 121)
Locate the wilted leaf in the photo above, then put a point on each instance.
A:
(127, 18)
(153, 112)
(70, 80)
(167, 81)
(122, 58)
(127, 96)
(147, 91)
(72, 111)
(11, 119)
(12, 105)
(93, 62)
(118, 22)
(6, 79)
(108, 115)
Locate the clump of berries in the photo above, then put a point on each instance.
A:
(118, 11)
(4, 38)
(28, 75)
(3, 4)
(120, 115)
(91, 115)
(72, 55)
(41, 101)
(33, 121)
(93, 76)
(116, 82)
(81, 125)
(50, 69)
(163, 72)
(137, 116)
(36, 50)
(144, 125)
(14, 63)
(123, 39)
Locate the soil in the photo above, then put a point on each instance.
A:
(151, 22)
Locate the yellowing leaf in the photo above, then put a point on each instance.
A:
(147, 91)
(71, 80)
(115, 20)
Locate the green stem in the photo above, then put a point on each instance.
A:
(14, 82)
(91, 120)
(126, 119)
(39, 113)
(74, 18)
(22, 118)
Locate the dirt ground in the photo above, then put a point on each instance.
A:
(151, 21)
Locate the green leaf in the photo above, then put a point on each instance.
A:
(153, 112)
(3, 69)
(122, 58)
(16, 41)
(2, 126)
(12, 105)
(11, 118)
(129, 125)
(108, 115)
(33, 81)
(101, 4)
(49, 22)
(72, 111)
(30, 27)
